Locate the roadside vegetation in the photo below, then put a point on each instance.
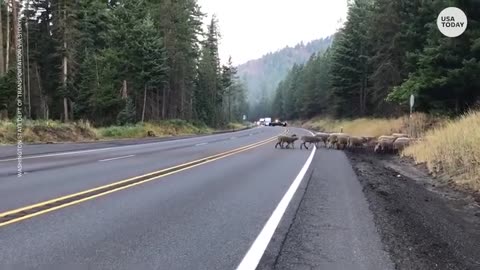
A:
(162, 128)
(452, 150)
(416, 126)
(56, 131)
(118, 63)
(46, 131)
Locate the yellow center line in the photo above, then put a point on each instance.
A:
(153, 176)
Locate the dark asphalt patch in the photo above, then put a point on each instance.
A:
(421, 226)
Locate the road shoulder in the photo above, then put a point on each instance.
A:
(332, 227)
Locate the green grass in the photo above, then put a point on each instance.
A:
(160, 129)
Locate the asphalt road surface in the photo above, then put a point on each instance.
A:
(212, 203)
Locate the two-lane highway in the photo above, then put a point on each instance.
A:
(56, 174)
(199, 214)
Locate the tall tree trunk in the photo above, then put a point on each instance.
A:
(157, 104)
(3, 112)
(2, 53)
(7, 54)
(229, 108)
(144, 102)
(43, 102)
(163, 103)
(65, 63)
(124, 92)
(72, 106)
(14, 23)
(28, 68)
(96, 70)
(65, 109)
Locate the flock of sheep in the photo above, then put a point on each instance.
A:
(384, 144)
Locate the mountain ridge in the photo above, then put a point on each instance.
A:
(262, 75)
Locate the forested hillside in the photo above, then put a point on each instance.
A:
(116, 62)
(261, 76)
(386, 51)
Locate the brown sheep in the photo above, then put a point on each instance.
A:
(368, 138)
(342, 141)
(333, 139)
(356, 142)
(286, 139)
(323, 136)
(386, 137)
(400, 143)
(309, 139)
(371, 143)
(400, 135)
(384, 144)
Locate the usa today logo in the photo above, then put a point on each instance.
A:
(452, 22)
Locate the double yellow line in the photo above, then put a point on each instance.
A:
(19, 214)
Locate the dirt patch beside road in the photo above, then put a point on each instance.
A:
(422, 225)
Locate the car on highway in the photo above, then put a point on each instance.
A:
(278, 123)
(268, 121)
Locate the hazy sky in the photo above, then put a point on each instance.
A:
(252, 28)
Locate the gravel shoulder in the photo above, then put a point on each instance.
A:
(424, 223)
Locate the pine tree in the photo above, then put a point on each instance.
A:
(446, 79)
(209, 95)
(350, 67)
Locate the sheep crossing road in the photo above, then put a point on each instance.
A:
(209, 203)
(383, 144)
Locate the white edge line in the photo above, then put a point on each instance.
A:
(200, 144)
(106, 148)
(109, 159)
(251, 260)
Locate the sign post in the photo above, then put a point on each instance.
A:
(412, 102)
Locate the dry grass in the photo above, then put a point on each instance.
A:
(235, 126)
(46, 131)
(55, 131)
(375, 126)
(359, 127)
(452, 149)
